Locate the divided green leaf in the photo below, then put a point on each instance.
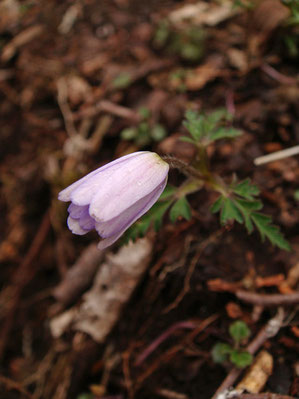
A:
(181, 208)
(224, 133)
(230, 211)
(211, 127)
(266, 229)
(194, 124)
(242, 206)
(246, 189)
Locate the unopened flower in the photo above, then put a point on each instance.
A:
(111, 198)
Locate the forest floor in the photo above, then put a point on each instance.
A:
(84, 82)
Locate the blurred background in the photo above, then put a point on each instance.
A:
(84, 82)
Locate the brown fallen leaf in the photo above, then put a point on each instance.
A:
(113, 286)
(233, 310)
(258, 374)
(197, 78)
(204, 13)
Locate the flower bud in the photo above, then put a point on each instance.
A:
(111, 198)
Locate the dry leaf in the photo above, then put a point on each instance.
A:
(258, 374)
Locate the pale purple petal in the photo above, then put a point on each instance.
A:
(127, 187)
(75, 227)
(65, 195)
(86, 222)
(134, 212)
(77, 211)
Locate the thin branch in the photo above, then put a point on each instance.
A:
(158, 341)
(22, 277)
(277, 155)
(14, 385)
(267, 395)
(268, 300)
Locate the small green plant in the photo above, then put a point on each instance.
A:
(291, 37)
(145, 132)
(234, 353)
(188, 43)
(293, 6)
(122, 81)
(238, 201)
(247, 4)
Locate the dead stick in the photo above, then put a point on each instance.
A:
(110, 108)
(267, 395)
(268, 299)
(23, 275)
(268, 331)
(14, 385)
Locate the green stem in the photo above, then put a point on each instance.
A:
(200, 173)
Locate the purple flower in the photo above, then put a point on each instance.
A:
(111, 198)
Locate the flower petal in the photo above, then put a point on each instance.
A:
(131, 183)
(113, 229)
(76, 211)
(86, 222)
(75, 227)
(65, 195)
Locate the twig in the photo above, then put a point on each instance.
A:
(275, 156)
(11, 384)
(267, 395)
(19, 40)
(268, 331)
(109, 107)
(171, 352)
(22, 277)
(62, 94)
(158, 341)
(213, 237)
(270, 71)
(268, 299)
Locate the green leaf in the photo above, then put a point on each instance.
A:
(246, 207)
(168, 192)
(296, 195)
(266, 229)
(230, 211)
(194, 124)
(217, 205)
(224, 133)
(85, 396)
(158, 132)
(246, 189)
(187, 139)
(180, 208)
(153, 217)
(218, 115)
(239, 331)
(144, 112)
(254, 205)
(122, 81)
(241, 359)
(129, 133)
(220, 352)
